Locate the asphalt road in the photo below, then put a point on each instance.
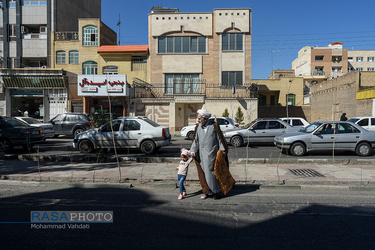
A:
(63, 146)
(147, 217)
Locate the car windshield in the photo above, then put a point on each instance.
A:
(152, 123)
(15, 123)
(353, 120)
(30, 120)
(310, 128)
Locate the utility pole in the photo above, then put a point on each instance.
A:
(119, 25)
(272, 68)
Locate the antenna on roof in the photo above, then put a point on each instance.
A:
(119, 25)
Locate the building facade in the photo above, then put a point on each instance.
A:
(27, 41)
(361, 60)
(330, 61)
(198, 60)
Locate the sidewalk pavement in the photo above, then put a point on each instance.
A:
(266, 173)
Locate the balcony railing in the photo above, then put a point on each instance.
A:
(66, 36)
(162, 90)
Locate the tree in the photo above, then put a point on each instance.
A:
(226, 113)
(239, 116)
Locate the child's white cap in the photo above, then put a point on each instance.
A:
(185, 152)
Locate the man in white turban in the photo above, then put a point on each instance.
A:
(208, 139)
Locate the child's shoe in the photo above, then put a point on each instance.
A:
(180, 197)
(184, 194)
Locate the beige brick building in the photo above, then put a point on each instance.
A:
(331, 61)
(352, 94)
(361, 60)
(198, 60)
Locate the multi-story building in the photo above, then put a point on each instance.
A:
(361, 60)
(27, 39)
(330, 61)
(198, 60)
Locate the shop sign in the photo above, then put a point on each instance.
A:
(102, 85)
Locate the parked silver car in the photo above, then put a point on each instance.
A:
(47, 128)
(328, 136)
(128, 132)
(262, 130)
(225, 123)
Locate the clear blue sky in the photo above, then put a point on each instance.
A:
(283, 27)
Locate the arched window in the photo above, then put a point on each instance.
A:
(73, 57)
(60, 57)
(232, 41)
(90, 68)
(90, 36)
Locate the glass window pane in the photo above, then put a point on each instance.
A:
(225, 78)
(170, 44)
(177, 44)
(202, 44)
(225, 42)
(238, 77)
(186, 44)
(194, 44)
(239, 41)
(162, 44)
(232, 78)
(232, 41)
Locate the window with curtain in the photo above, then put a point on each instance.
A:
(90, 36)
(90, 68)
(60, 57)
(232, 41)
(181, 44)
(73, 57)
(182, 84)
(231, 78)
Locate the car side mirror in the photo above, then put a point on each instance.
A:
(317, 133)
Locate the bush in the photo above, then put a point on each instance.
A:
(226, 113)
(239, 116)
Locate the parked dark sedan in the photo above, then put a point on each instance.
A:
(15, 133)
(70, 124)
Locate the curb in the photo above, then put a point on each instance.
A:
(152, 159)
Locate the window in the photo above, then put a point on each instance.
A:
(182, 84)
(90, 68)
(359, 69)
(291, 99)
(343, 128)
(90, 36)
(231, 78)
(336, 58)
(359, 59)
(73, 57)
(363, 122)
(131, 125)
(319, 58)
(12, 30)
(60, 57)
(336, 69)
(274, 125)
(115, 124)
(370, 59)
(260, 125)
(262, 100)
(272, 100)
(370, 69)
(182, 44)
(232, 41)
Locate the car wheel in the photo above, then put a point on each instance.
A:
(86, 146)
(148, 147)
(298, 149)
(363, 149)
(236, 141)
(78, 131)
(5, 145)
(190, 135)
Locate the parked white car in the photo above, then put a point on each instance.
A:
(295, 121)
(47, 128)
(128, 132)
(366, 122)
(225, 123)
